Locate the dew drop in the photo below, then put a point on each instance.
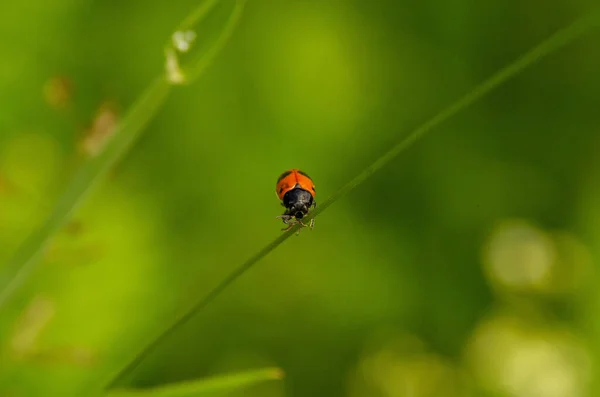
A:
(182, 41)
(199, 38)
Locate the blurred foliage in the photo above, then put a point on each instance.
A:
(467, 267)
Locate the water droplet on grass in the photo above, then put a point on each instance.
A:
(199, 38)
(182, 41)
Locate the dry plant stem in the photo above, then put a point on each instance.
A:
(552, 44)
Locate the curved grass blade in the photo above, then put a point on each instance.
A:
(550, 45)
(213, 386)
(13, 274)
(185, 61)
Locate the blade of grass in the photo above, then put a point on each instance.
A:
(180, 71)
(550, 45)
(188, 314)
(16, 271)
(213, 386)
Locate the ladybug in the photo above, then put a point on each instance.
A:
(296, 191)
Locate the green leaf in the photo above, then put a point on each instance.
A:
(213, 386)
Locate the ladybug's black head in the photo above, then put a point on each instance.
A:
(297, 202)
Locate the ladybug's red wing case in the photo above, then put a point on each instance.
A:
(305, 182)
(294, 178)
(285, 182)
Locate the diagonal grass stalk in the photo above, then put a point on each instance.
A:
(187, 315)
(16, 271)
(215, 385)
(14, 274)
(550, 45)
(183, 64)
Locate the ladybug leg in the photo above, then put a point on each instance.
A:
(303, 226)
(311, 225)
(285, 229)
(312, 221)
(291, 222)
(285, 218)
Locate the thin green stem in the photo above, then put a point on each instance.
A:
(188, 314)
(180, 72)
(198, 14)
(215, 385)
(226, 33)
(14, 274)
(552, 44)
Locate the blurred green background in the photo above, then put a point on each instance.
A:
(466, 267)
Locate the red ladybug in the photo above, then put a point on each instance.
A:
(297, 193)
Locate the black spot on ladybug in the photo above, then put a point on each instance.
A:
(303, 173)
(283, 175)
